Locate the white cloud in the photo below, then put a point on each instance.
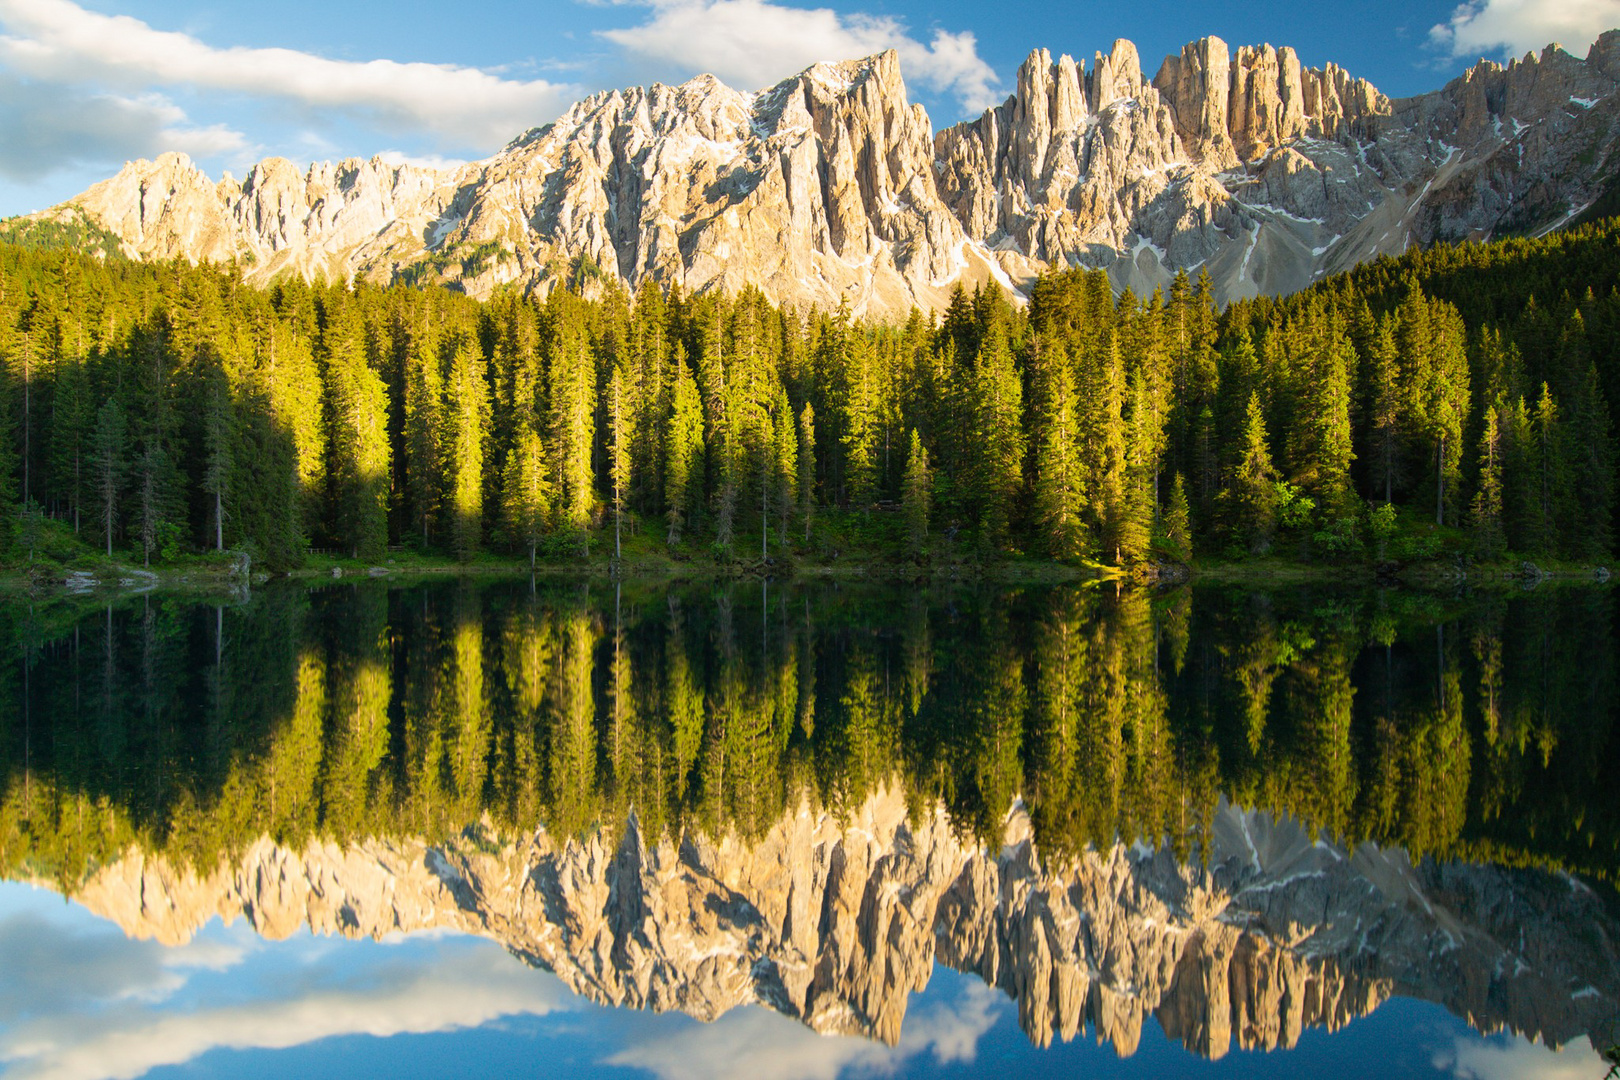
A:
(1514, 27)
(466, 988)
(1519, 1059)
(57, 41)
(48, 128)
(756, 1044)
(751, 44)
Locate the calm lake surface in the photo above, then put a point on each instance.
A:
(780, 831)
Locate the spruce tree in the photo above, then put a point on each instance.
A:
(683, 451)
(859, 422)
(1489, 536)
(618, 455)
(807, 466)
(916, 496)
(1177, 522)
(466, 424)
(526, 490)
(786, 461)
(219, 432)
(1059, 486)
(357, 411)
(108, 459)
(424, 429)
(1551, 486)
(1135, 530)
(1329, 424)
(1000, 437)
(572, 413)
(1592, 471)
(1253, 490)
(1384, 412)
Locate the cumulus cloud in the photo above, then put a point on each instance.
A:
(754, 43)
(59, 42)
(1517, 1058)
(47, 128)
(756, 1044)
(1514, 27)
(462, 988)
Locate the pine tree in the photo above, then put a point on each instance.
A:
(1177, 523)
(1254, 495)
(998, 425)
(155, 423)
(917, 495)
(424, 429)
(1519, 478)
(786, 459)
(109, 447)
(297, 406)
(72, 427)
(618, 455)
(1592, 471)
(357, 411)
(859, 422)
(1105, 434)
(572, 412)
(1135, 530)
(1059, 486)
(1329, 425)
(1550, 480)
(466, 424)
(1489, 537)
(219, 432)
(683, 450)
(1384, 411)
(525, 489)
(807, 465)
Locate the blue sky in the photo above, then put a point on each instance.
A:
(88, 84)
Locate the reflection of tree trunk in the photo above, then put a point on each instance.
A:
(1440, 482)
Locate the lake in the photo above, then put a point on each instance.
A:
(811, 830)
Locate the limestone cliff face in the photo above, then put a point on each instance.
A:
(838, 924)
(1268, 174)
(831, 187)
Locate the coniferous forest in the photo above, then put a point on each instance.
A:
(1453, 401)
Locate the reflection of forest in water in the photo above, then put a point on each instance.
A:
(1479, 729)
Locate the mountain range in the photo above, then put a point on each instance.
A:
(831, 187)
(837, 920)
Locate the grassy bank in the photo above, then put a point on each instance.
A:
(839, 545)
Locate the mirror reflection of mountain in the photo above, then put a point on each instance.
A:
(701, 797)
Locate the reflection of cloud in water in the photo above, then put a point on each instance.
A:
(81, 1003)
(756, 1044)
(1517, 1058)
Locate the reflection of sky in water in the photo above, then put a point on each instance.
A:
(79, 1001)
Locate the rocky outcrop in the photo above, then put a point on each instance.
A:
(1267, 174)
(831, 187)
(838, 923)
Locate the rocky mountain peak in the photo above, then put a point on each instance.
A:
(832, 186)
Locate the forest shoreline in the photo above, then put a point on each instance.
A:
(44, 582)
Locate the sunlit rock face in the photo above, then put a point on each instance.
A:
(837, 923)
(830, 187)
(1268, 174)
